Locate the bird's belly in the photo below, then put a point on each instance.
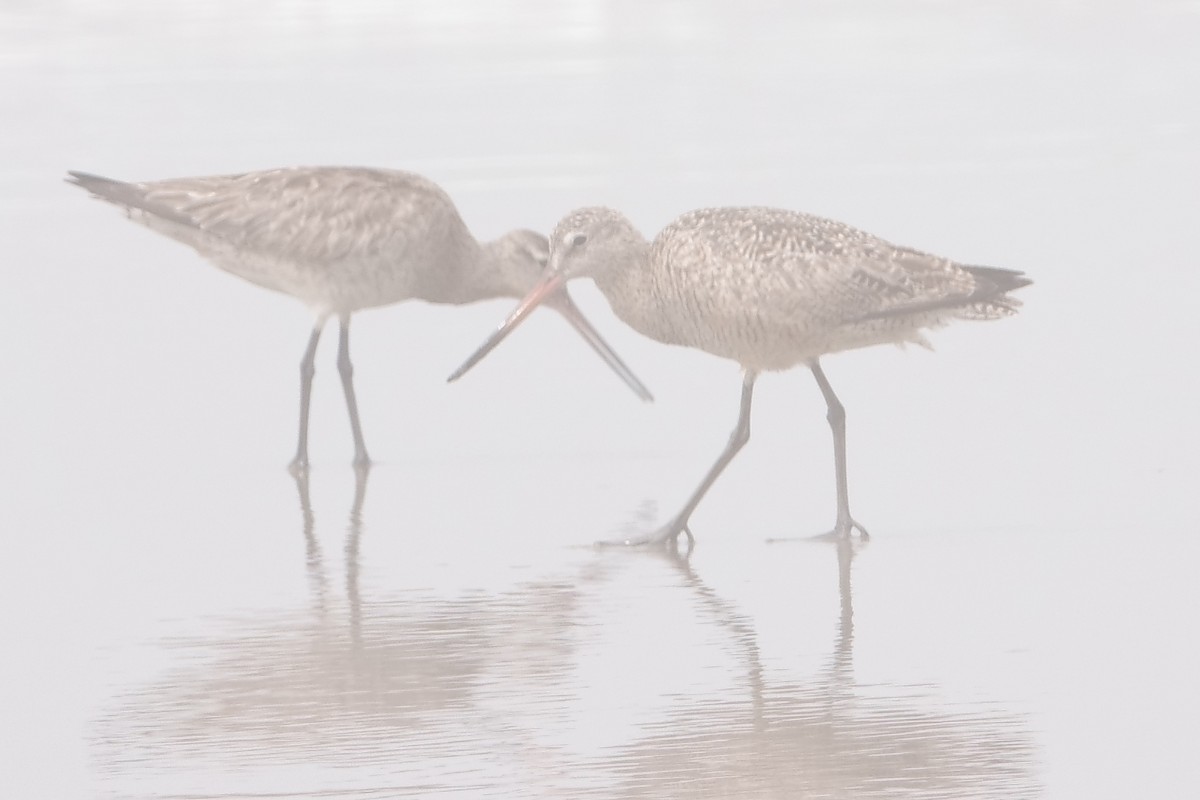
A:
(773, 347)
(335, 288)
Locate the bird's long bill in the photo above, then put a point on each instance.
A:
(553, 293)
(562, 303)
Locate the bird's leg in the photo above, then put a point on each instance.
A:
(346, 370)
(836, 415)
(300, 462)
(737, 440)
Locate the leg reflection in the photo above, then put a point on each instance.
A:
(313, 560)
(353, 540)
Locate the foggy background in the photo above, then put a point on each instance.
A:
(176, 622)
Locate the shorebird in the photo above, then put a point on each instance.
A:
(770, 289)
(341, 239)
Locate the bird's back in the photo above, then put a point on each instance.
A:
(771, 288)
(338, 238)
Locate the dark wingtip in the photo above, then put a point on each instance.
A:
(93, 183)
(999, 280)
(992, 285)
(128, 195)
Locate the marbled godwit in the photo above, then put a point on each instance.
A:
(769, 289)
(341, 239)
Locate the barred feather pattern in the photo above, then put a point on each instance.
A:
(771, 288)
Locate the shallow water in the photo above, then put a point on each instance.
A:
(181, 619)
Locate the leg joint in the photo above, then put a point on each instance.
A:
(836, 413)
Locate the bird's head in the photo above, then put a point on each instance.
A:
(584, 243)
(590, 241)
(520, 257)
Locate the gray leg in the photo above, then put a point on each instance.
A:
(737, 440)
(836, 415)
(300, 462)
(346, 370)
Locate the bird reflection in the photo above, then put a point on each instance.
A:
(353, 539)
(314, 559)
(312, 548)
(824, 736)
(843, 646)
(418, 693)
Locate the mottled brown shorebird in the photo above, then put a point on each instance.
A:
(341, 239)
(769, 289)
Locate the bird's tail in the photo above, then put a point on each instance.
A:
(105, 188)
(998, 281)
(131, 196)
(990, 299)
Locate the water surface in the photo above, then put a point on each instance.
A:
(183, 620)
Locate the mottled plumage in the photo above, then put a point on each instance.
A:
(770, 289)
(341, 239)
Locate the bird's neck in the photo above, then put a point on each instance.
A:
(626, 274)
(634, 288)
(467, 275)
(487, 274)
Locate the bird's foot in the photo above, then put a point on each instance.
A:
(843, 531)
(666, 536)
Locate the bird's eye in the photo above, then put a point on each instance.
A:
(578, 240)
